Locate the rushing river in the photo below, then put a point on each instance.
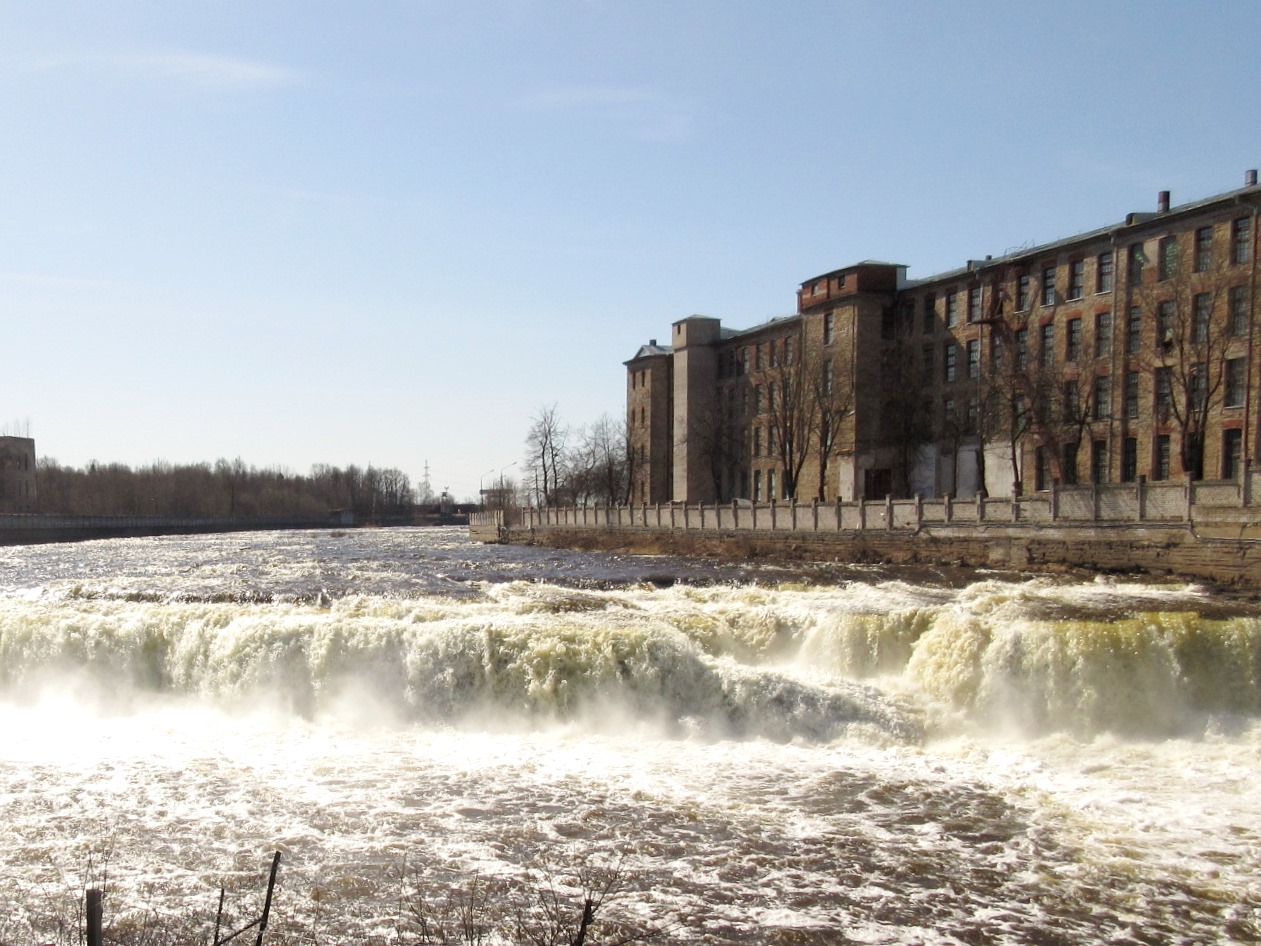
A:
(780, 757)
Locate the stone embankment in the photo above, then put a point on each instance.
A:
(1209, 532)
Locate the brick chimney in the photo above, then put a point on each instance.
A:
(1162, 202)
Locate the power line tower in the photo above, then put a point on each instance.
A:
(426, 490)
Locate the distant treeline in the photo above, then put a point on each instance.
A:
(226, 488)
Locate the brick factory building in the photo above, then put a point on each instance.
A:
(1128, 351)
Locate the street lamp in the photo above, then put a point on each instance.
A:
(481, 487)
(501, 481)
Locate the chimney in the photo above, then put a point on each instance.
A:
(1250, 178)
(652, 343)
(1162, 202)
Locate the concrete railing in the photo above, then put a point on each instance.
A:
(1125, 503)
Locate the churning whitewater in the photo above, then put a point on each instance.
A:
(769, 755)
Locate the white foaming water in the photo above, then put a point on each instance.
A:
(770, 759)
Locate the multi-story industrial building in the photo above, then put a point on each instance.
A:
(17, 474)
(1129, 351)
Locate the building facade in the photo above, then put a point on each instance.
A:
(1128, 351)
(17, 474)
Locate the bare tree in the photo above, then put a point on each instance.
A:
(794, 409)
(906, 414)
(545, 450)
(1194, 332)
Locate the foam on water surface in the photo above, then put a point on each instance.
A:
(1009, 761)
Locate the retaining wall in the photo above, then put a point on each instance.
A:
(1158, 531)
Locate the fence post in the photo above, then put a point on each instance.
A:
(1190, 496)
(792, 513)
(979, 499)
(888, 512)
(838, 511)
(862, 514)
(735, 515)
(1245, 488)
(919, 511)
(1094, 502)
(773, 514)
(95, 917)
(814, 511)
(1141, 489)
(949, 508)
(1055, 500)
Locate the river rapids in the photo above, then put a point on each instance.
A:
(767, 755)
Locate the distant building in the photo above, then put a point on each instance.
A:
(1132, 350)
(17, 474)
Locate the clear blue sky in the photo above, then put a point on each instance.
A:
(387, 233)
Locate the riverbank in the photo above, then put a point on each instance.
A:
(1159, 551)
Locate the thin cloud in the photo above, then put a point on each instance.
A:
(197, 70)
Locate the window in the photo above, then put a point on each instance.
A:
(744, 361)
(927, 364)
(1103, 272)
(930, 314)
(1076, 279)
(1130, 394)
(1099, 461)
(888, 324)
(757, 486)
(1201, 317)
(1234, 383)
(1161, 467)
(773, 393)
(1072, 344)
(1232, 453)
(1022, 349)
(1239, 310)
(1162, 393)
(974, 304)
(952, 309)
(1199, 386)
(1101, 400)
(1048, 345)
(1164, 325)
(829, 378)
(951, 356)
(1022, 292)
(1072, 402)
(757, 441)
(1103, 334)
(1137, 262)
(972, 419)
(996, 354)
(1133, 330)
(1203, 249)
(770, 485)
(828, 328)
(774, 353)
(1042, 468)
(1069, 464)
(1048, 286)
(1167, 261)
(1241, 240)
(788, 351)
(1129, 459)
(974, 358)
